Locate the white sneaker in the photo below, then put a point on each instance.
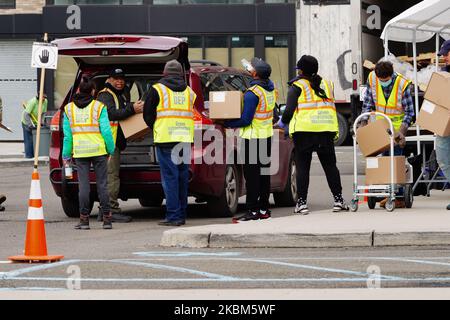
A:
(301, 209)
(340, 206)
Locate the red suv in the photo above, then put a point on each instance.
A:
(143, 59)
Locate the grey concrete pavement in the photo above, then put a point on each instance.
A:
(12, 154)
(427, 223)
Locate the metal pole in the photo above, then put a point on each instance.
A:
(438, 35)
(416, 89)
(38, 132)
(386, 43)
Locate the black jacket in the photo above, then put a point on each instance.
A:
(125, 110)
(175, 83)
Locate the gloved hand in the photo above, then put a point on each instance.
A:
(361, 124)
(400, 136)
(281, 125)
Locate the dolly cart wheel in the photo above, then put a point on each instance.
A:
(409, 196)
(390, 205)
(354, 205)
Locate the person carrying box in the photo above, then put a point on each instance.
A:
(389, 92)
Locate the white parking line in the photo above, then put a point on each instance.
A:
(303, 266)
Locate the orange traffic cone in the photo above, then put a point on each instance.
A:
(365, 199)
(35, 243)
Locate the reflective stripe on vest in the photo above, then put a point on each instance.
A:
(393, 108)
(84, 124)
(313, 113)
(174, 115)
(114, 124)
(261, 126)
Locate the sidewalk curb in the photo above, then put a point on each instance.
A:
(7, 163)
(195, 239)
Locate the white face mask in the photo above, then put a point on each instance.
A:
(386, 84)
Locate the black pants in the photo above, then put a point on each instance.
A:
(256, 172)
(323, 144)
(84, 188)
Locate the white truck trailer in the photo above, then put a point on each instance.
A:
(342, 34)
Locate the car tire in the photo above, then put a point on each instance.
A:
(343, 129)
(153, 202)
(288, 197)
(71, 207)
(227, 204)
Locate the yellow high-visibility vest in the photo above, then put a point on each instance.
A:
(114, 124)
(174, 115)
(261, 126)
(314, 114)
(393, 108)
(84, 123)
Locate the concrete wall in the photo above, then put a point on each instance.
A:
(25, 6)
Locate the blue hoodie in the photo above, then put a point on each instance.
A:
(250, 104)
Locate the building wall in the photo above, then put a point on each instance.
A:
(25, 6)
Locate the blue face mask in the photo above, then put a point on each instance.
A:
(386, 84)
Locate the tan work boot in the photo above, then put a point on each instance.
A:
(383, 203)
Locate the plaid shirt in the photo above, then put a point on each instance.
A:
(407, 101)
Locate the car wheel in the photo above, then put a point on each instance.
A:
(226, 205)
(288, 197)
(71, 207)
(151, 202)
(343, 129)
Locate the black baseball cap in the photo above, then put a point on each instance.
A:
(445, 48)
(116, 73)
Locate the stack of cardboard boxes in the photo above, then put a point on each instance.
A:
(373, 140)
(435, 112)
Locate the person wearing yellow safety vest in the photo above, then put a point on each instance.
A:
(115, 97)
(88, 139)
(256, 131)
(168, 110)
(389, 92)
(29, 122)
(310, 118)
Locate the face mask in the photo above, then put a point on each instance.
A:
(386, 84)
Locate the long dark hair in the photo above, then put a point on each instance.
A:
(315, 80)
(309, 67)
(86, 86)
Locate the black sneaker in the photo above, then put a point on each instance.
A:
(340, 206)
(448, 207)
(84, 223)
(249, 216)
(2, 198)
(301, 208)
(121, 218)
(265, 214)
(2, 208)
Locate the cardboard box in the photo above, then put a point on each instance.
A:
(374, 139)
(438, 89)
(134, 127)
(434, 118)
(378, 170)
(225, 104)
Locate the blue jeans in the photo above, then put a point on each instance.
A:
(175, 181)
(443, 154)
(28, 142)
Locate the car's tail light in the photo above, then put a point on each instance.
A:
(54, 124)
(201, 122)
(355, 85)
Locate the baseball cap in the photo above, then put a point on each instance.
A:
(116, 73)
(262, 68)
